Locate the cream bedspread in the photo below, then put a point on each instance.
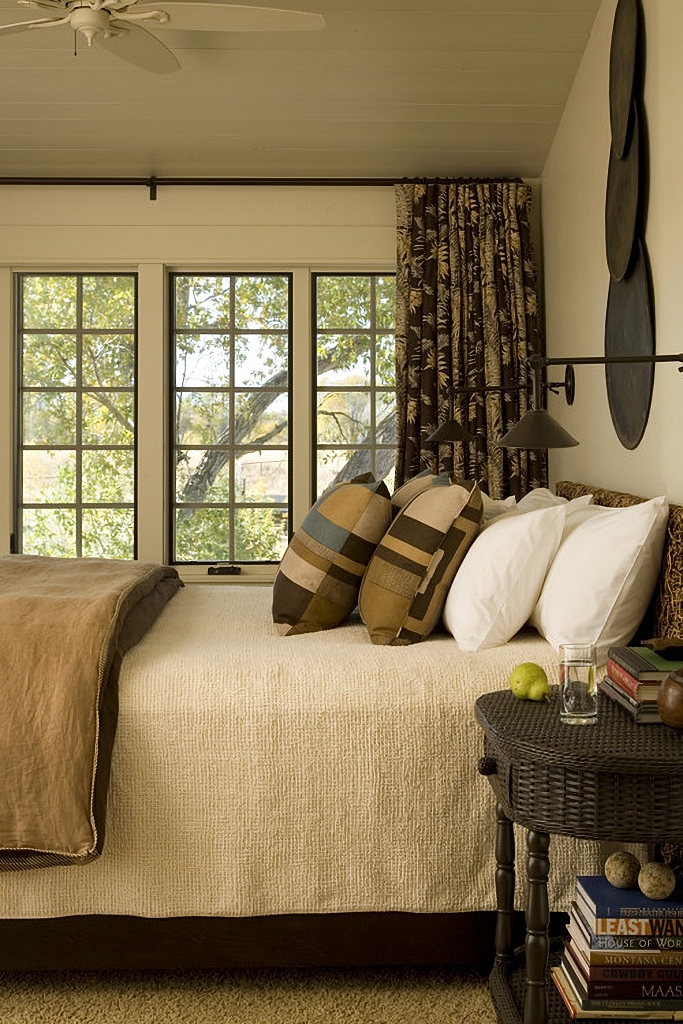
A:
(260, 774)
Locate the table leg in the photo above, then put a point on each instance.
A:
(505, 885)
(537, 918)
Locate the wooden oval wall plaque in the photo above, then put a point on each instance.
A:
(622, 70)
(621, 206)
(629, 331)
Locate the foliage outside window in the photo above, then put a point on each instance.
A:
(355, 377)
(231, 452)
(231, 395)
(76, 418)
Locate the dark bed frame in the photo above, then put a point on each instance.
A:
(308, 940)
(290, 940)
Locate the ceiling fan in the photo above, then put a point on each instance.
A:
(117, 25)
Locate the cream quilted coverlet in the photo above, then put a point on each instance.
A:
(260, 774)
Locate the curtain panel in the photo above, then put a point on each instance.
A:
(466, 316)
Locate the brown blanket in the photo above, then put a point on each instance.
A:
(65, 624)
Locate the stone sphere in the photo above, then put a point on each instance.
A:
(656, 880)
(621, 870)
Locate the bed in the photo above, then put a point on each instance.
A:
(294, 801)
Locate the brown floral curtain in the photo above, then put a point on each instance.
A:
(466, 316)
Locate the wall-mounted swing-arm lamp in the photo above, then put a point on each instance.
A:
(450, 432)
(537, 428)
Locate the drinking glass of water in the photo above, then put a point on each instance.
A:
(578, 685)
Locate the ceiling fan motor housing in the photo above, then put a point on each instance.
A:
(92, 23)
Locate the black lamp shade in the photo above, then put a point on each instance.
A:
(537, 429)
(449, 432)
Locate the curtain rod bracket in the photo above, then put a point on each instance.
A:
(152, 186)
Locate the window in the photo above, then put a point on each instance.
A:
(76, 417)
(355, 377)
(231, 454)
(252, 402)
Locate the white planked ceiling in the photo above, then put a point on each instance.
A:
(390, 88)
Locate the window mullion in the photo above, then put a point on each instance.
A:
(152, 378)
(303, 415)
(8, 401)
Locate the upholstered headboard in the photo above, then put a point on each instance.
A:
(665, 615)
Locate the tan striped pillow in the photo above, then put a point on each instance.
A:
(414, 486)
(317, 583)
(407, 580)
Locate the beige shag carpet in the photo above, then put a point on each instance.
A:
(368, 996)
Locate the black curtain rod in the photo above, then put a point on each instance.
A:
(152, 182)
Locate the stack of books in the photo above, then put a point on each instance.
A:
(633, 678)
(623, 956)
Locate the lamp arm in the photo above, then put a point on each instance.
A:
(542, 361)
(538, 362)
(489, 387)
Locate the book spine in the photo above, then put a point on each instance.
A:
(618, 674)
(617, 1005)
(636, 972)
(628, 660)
(642, 712)
(660, 990)
(623, 905)
(635, 942)
(600, 959)
(664, 927)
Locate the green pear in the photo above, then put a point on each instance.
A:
(529, 682)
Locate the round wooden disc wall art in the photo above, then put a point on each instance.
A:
(629, 332)
(622, 72)
(629, 326)
(621, 209)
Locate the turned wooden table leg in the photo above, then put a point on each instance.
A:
(505, 885)
(537, 918)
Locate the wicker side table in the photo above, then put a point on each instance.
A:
(614, 780)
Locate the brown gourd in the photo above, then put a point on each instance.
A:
(670, 700)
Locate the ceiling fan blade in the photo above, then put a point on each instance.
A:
(138, 46)
(221, 17)
(23, 26)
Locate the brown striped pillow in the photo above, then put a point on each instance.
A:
(414, 486)
(317, 583)
(407, 580)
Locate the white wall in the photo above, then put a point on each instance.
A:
(210, 224)
(44, 228)
(575, 268)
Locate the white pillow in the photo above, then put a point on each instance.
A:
(498, 583)
(541, 497)
(601, 581)
(494, 507)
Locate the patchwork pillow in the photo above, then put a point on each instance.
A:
(496, 588)
(411, 488)
(601, 580)
(409, 574)
(317, 582)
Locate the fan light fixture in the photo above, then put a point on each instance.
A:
(117, 26)
(537, 429)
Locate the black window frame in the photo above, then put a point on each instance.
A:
(16, 539)
(371, 389)
(172, 504)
